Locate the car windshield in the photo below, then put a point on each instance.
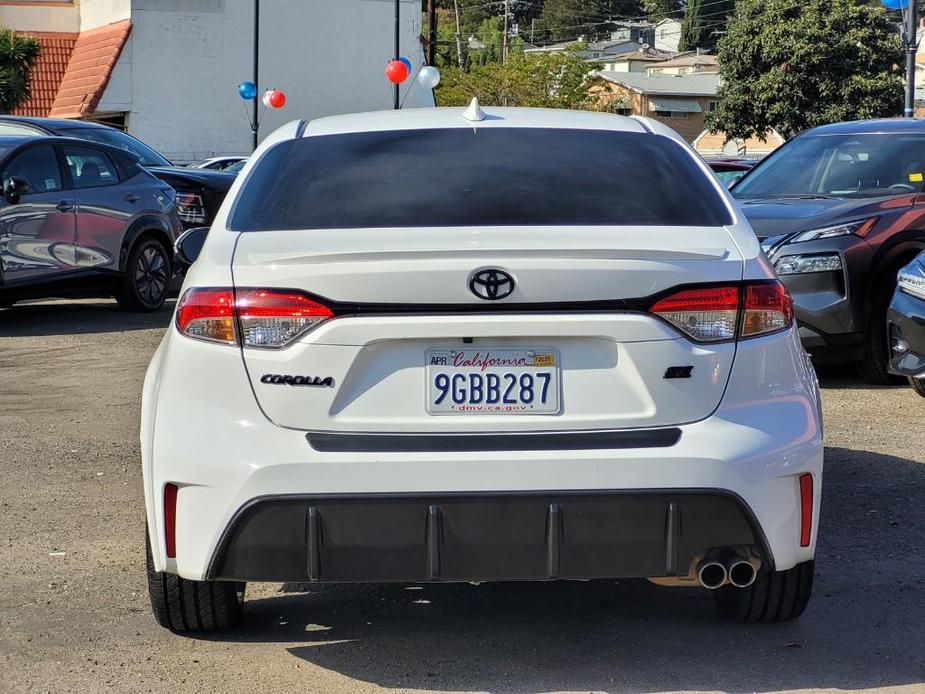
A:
(111, 136)
(844, 165)
(477, 177)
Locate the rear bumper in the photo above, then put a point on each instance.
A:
(230, 462)
(482, 537)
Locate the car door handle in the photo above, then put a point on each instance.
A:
(131, 197)
(64, 206)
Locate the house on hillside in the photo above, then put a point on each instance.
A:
(667, 35)
(627, 37)
(685, 63)
(680, 101)
(712, 145)
(635, 61)
(167, 71)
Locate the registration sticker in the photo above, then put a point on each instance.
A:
(916, 177)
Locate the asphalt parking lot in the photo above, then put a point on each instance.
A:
(74, 613)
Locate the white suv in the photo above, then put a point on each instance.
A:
(445, 345)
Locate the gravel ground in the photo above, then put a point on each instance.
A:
(74, 613)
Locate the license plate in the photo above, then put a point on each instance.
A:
(492, 381)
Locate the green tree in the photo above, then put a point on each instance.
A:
(18, 54)
(552, 80)
(657, 10)
(792, 66)
(563, 20)
(704, 22)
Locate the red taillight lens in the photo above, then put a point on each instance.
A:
(263, 317)
(208, 314)
(711, 314)
(707, 315)
(272, 318)
(170, 519)
(806, 509)
(768, 308)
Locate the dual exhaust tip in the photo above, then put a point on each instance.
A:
(715, 572)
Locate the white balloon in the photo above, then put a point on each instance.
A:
(266, 97)
(429, 77)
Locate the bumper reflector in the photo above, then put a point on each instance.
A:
(806, 509)
(170, 519)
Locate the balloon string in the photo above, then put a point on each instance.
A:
(410, 87)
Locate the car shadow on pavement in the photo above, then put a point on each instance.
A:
(865, 626)
(46, 318)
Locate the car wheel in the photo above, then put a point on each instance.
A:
(147, 276)
(775, 596)
(918, 385)
(873, 365)
(182, 605)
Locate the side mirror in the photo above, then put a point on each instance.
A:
(189, 245)
(13, 188)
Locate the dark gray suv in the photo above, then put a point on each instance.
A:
(83, 219)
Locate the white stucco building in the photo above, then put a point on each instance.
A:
(167, 70)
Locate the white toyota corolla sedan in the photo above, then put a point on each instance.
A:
(467, 345)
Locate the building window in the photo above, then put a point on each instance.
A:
(711, 106)
(671, 114)
(656, 71)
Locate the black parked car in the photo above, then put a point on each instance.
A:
(839, 210)
(82, 218)
(906, 325)
(199, 191)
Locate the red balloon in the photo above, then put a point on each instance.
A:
(277, 99)
(396, 72)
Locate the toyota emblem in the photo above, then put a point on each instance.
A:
(491, 284)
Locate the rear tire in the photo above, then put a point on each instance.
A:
(918, 385)
(182, 605)
(775, 596)
(146, 282)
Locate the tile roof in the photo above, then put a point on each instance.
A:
(92, 60)
(47, 72)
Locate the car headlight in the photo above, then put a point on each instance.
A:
(799, 264)
(859, 228)
(911, 279)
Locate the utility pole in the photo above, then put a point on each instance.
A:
(255, 125)
(507, 10)
(431, 32)
(459, 52)
(912, 45)
(395, 96)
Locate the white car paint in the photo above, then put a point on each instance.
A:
(750, 416)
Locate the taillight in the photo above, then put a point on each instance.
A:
(191, 208)
(768, 308)
(208, 314)
(707, 315)
(272, 318)
(718, 314)
(269, 318)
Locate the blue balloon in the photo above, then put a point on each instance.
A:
(407, 64)
(895, 4)
(247, 90)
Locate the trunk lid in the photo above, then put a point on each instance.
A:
(410, 304)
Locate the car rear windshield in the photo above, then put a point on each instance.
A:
(477, 177)
(847, 165)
